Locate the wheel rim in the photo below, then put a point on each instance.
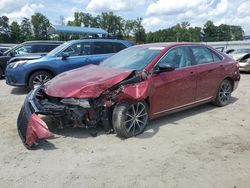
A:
(40, 79)
(136, 118)
(225, 92)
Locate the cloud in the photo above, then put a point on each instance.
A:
(78, 1)
(16, 10)
(114, 5)
(163, 14)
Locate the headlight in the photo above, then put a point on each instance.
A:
(19, 63)
(78, 102)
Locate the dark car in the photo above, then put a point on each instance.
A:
(68, 56)
(25, 49)
(126, 90)
(4, 49)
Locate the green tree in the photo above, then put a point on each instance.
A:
(140, 34)
(111, 23)
(4, 29)
(41, 26)
(16, 34)
(210, 32)
(26, 29)
(128, 29)
(237, 32)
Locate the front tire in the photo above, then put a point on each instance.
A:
(130, 119)
(224, 93)
(38, 78)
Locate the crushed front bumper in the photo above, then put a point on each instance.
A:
(30, 126)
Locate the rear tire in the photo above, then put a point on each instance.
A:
(130, 119)
(224, 93)
(39, 78)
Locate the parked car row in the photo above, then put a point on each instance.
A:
(125, 90)
(68, 56)
(26, 51)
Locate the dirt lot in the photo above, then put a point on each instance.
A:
(202, 147)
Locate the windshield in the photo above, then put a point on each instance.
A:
(237, 51)
(58, 49)
(135, 58)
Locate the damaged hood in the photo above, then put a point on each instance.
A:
(86, 82)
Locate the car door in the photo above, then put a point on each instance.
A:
(208, 70)
(177, 88)
(78, 55)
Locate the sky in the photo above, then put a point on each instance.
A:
(156, 14)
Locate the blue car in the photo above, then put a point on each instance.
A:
(68, 56)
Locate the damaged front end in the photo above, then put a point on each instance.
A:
(244, 63)
(243, 60)
(78, 112)
(85, 113)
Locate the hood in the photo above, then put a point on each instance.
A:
(33, 57)
(86, 82)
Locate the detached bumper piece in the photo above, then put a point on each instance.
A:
(30, 126)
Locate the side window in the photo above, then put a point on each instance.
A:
(216, 57)
(73, 50)
(203, 55)
(23, 50)
(119, 47)
(103, 48)
(79, 49)
(86, 48)
(43, 48)
(178, 57)
(40, 48)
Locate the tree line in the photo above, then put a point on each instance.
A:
(37, 28)
(209, 33)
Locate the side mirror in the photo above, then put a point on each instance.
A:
(163, 67)
(12, 54)
(65, 55)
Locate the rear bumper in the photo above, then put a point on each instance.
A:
(30, 127)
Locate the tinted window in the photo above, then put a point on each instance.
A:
(178, 57)
(23, 50)
(43, 48)
(203, 55)
(103, 48)
(79, 49)
(119, 47)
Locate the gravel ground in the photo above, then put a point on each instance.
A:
(202, 147)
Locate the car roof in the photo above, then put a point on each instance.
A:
(126, 42)
(171, 44)
(43, 42)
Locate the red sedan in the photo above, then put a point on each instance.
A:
(126, 90)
